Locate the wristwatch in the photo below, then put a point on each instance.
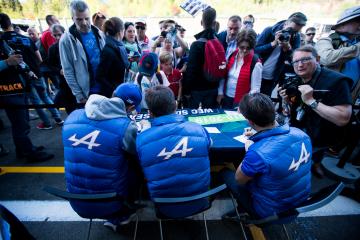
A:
(314, 104)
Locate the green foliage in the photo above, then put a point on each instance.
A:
(162, 8)
(12, 5)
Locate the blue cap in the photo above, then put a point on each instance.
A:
(130, 93)
(148, 64)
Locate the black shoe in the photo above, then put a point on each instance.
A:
(39, 156)
(26, 154)
(39, 148)
(3, 151)
(234, 217)
(317, 171)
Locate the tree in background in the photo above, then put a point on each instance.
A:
(13, 5)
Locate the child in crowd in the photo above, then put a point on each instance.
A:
(173, 75)
(148, 75)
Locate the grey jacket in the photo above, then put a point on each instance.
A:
(74, 62)
(335, 58)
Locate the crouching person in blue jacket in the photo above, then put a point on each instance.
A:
(99, 150)
(274, 175)
(173, 154)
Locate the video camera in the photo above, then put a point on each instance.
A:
(286, 34)
(291, 83)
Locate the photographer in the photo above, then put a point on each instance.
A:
(321, 107)
(275, 46)
(166, 43)
(38, 91)
(12, 92)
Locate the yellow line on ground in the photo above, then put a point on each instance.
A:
(256, 233)
(5, 169)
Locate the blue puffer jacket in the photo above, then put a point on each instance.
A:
(173, 154)
(94, 142)
(285, 153)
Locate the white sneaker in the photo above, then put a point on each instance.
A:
(128, 219)
(119, 222)
(110, 225)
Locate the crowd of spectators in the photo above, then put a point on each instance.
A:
(115, 68)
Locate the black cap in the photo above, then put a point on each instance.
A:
(299, 18)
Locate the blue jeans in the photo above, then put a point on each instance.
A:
(240, 192)
(19, 119)
(39, 95)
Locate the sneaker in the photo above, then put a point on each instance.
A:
(127, 219)
(113, 224)
(33, 116)
(59, 122)
(110, 225)
(42, 126)
(332, 153)
(38, 148)
(234, 217)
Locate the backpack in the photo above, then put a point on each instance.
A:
(215, 60)
(140, 76)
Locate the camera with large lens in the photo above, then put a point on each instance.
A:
(291, 83)
(163, 34)
(23, 67)
(286, 34)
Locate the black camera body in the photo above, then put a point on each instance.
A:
(22, 67)
(286, 34)
(163, 34)
(291, 83)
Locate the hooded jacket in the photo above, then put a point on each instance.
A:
(95, 140)
(75, 62)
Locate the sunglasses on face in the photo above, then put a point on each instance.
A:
(302, 60)
(310, 34)
(140, 27)
(248, 22)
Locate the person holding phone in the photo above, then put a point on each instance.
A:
(132, 46)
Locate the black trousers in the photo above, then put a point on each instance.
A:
(19, 119)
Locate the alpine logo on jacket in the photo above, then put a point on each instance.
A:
(304, 157)
(184, 150)
(92, 136)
